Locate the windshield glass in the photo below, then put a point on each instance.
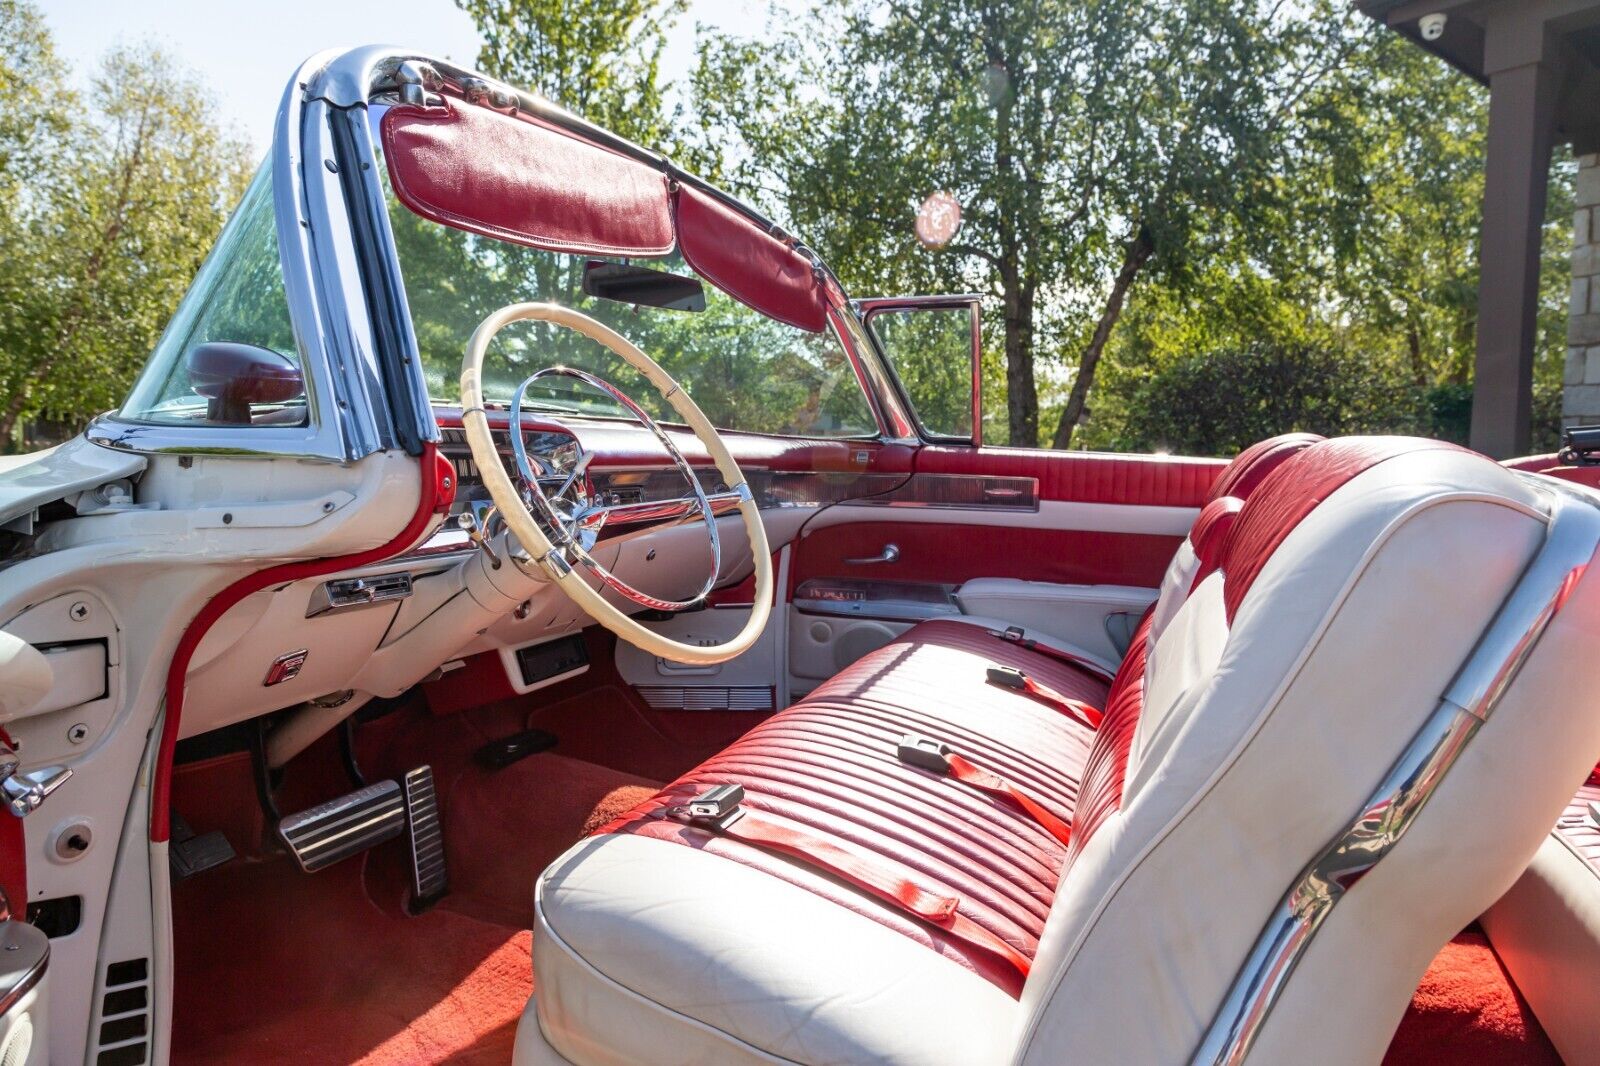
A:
(228, 356)
(745, 371)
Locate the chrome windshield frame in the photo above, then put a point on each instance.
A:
(354, 77)
(346, 300)
(322, 174)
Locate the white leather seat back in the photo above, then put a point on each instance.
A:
(1262, 737)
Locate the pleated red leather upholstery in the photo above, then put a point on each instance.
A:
(1252, 465)
(1291, 492)
(828, 763)
(1107, 766)
(1085, 477)
(1578, 830)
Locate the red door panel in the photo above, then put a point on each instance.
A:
(956, 553)
(1030, 546)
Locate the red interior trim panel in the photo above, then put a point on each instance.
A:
(516, 179)
(952, 554)
(1085, 477)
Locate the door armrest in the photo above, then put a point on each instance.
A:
(1097, 618)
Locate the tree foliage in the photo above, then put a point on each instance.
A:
(1133, 176)
(101, 249)
(601, 60)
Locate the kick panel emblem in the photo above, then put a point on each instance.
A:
(285, 667)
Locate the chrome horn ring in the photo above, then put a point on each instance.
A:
(574, 533)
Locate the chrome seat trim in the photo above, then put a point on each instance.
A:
(1571, 540)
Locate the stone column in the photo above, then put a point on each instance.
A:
(1580, 399)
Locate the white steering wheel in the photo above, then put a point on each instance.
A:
(557, 529)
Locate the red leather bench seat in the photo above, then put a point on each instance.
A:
(828, 764)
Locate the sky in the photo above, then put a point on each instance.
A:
(245, 52)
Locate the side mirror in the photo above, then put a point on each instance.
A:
(232, 377)
(934, 345)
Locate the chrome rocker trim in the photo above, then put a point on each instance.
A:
(1570, 543)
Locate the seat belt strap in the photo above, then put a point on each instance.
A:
(1011, 677)
(930, 754)
(1017, 635)
(719, 811)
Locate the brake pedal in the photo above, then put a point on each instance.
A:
(430, 878)
(325, 834)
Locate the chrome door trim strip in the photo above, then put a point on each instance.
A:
(1570, 544)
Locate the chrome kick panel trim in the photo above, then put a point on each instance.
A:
(1571, 540)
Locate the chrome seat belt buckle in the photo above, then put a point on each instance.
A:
(1008, 677)
(715, 804)
(924, 752)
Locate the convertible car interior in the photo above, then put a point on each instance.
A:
(526, 611)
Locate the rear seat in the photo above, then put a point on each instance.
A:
(1546, 930)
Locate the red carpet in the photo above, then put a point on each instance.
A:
(274, 965)
(1467, 1012)
(279, 966)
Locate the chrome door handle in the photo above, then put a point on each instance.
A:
(890, 553)
(23, 793)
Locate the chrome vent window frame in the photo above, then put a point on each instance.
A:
(351, 409)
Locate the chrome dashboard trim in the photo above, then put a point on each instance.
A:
(1571, 540)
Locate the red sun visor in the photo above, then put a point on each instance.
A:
(517, 179)
(739, 257)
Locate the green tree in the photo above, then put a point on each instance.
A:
(601, 61)
(1089, 143)
(111, 243)
(1369, 248)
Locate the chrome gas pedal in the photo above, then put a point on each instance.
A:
(349, 825)
(430, 879)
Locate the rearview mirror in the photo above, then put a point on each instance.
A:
(934, 346)
(642, 286)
